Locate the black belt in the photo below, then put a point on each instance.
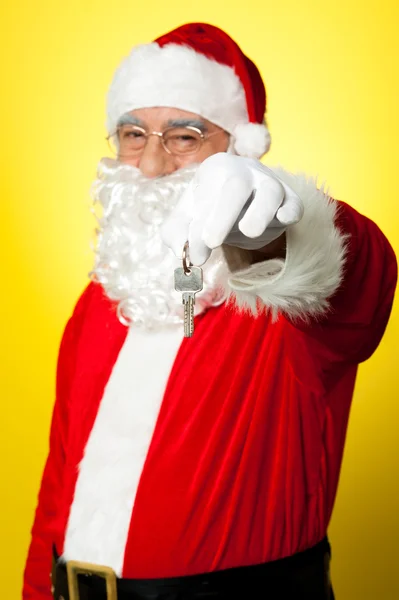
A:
(303, 576)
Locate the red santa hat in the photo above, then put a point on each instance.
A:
(198, 68)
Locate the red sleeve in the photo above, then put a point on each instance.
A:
(37, 584)
(360, 309)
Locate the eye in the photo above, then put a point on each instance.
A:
(185, 137)
(132, 134)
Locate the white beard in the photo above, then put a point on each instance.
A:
(132, 263)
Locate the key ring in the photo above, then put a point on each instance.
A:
(186, 259)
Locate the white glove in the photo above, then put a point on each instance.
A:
(232, 200)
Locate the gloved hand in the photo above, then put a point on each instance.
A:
(232, 200)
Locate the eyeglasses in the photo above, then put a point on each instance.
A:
(129, 140)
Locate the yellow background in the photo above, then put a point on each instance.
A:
(331, 71)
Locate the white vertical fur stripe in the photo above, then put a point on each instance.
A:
(115, 453)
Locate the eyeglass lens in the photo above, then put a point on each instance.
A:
(129, 140)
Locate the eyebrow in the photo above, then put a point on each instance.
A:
(127, 118)
(130, 119)
(197, 123)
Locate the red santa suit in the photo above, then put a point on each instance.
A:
(172, 456)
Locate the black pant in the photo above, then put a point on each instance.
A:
(303, 576)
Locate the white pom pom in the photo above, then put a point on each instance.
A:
(251, 139)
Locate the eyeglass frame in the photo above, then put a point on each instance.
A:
(204, 137)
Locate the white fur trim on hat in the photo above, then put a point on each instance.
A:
(251, 139)
(179, 77)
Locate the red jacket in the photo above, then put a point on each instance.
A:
(245, 457)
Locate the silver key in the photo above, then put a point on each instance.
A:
(189, 283)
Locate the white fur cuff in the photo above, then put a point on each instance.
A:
(301, 285)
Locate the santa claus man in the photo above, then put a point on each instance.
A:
(205, 466)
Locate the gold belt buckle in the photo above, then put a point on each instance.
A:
(75, 568)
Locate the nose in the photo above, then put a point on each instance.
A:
(155, 161)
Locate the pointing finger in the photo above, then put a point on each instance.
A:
(228, 204)
(262, 210)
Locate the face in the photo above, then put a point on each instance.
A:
(153, 160)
